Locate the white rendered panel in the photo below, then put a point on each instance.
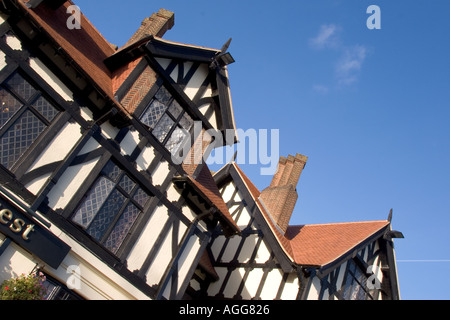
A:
(147, 238)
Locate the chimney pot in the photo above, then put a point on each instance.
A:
(280, 197)
(157, 25)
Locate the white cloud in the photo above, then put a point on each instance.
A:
(350, 57)
(349, 65)
(326, 38)
(321, 89)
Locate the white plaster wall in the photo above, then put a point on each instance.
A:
(248, 248)
(172, 193)
(129, 142)
(14, 261)
(263, 253)
(228, 193)
(252, 282)
(147, 238)
(13, 42)
(217, 246)
(164, 62)
(230, 250)
(341, 275)
(161, 261)
(160, 174)
(69, 184)
(109, 131)
(59, 147)
(291, 287)
(51, 79)
(188, 213)
(314, 290)
(145, 158)
(244, 218)
(197, 79)
(2, 60)
(35, 185)
(233, 283)
(187, 258)
(271, 285)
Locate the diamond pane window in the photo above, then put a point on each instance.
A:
(24, 116)
(163, 96)
(21, 86)
(106, 214)
(19, 138)
(8, 106)
(176, 139)
(186, 122)
(175, 109)
(153, 113)
(127, 184)
(45, 108)
(122, 228)
(141, 197)
(111, 207)
(163, 128)
(167, 120)
(95, 199)
(355, 283)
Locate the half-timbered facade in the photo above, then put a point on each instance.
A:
(272, 260)
(92, 137)
(104, 188)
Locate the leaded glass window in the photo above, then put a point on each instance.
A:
(24, 115)
(355, 287)
(111, 207)
(167, 120)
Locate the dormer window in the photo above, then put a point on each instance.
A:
(167, 120)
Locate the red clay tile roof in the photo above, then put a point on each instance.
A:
(86, 46)
(205, 184)
(321, 244)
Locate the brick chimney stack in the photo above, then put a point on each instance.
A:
(280, 197)
(157, 25)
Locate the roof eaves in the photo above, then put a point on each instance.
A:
(324, 268)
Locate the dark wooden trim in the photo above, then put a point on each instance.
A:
(4, 245)
(163, 49)
(324, 270)
(60, 169)
(178, 93)
(271, 240)
(156, 246)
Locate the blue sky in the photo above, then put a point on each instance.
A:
(370, 108)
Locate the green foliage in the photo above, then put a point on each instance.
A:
(24, 287)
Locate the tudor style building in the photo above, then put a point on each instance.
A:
(271, 260)
(104, 190)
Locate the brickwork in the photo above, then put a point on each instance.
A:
(139, 90)
(157, 25)
(281, 196)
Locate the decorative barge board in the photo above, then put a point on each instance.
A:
(330, 261)
(101, 132)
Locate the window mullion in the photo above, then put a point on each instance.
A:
(114, 221)
(19, 113)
